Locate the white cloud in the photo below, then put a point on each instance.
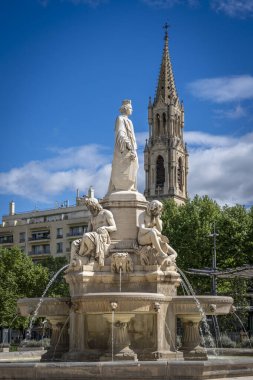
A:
(161, 4)
(141, 138)
(164, 4)
(202, 139)
(222, 167)
(223, 89)
(71, 168)
(91, 3)
(234, 8)
(235, 113)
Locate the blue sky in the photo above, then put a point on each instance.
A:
(65, 66)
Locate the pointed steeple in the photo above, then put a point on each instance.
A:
(166, 88)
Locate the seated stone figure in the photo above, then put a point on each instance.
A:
(96, 241)
(150, 237)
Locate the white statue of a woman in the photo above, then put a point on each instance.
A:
(125, 160)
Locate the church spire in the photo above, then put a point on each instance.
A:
(165, 153)
(166, 88)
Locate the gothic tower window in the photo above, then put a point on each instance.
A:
(164, 124)
(179, 126)
(157, 125)
(180, 174)
(160, 172)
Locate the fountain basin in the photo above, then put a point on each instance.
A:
(211, 305)
(49, 307)
(126, 302)
(175, 370)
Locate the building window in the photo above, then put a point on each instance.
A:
(21, 237)
(59, 233)
(180, 174)
(59, 247)
(76, 231)
(6, 239)
(40, 249)
(40, 235)
(160, 172)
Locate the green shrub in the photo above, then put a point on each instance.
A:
(247, 343)
(227, 342)
(36, 343)
(4, 345)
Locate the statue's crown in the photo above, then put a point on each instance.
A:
(125, 102)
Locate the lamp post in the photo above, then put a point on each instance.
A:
(213, 235)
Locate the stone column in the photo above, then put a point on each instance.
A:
(163, 350)
(78, 348)
(59, 338)
(191, 338)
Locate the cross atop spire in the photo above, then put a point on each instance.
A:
(166, 88)
(166, 26)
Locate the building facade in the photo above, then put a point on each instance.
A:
(165, 154)
(41, 234)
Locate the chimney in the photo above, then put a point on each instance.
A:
(91, 192)
(12, 208)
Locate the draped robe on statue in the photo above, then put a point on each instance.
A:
(124, 168)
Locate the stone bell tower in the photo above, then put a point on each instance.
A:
(165, 153)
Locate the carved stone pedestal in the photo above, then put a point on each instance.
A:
(126, 207)
(191, 338)
(119, 340)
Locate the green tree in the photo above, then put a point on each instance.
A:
(232, 244)
(188, 228)
(59, 288)
(20, 277)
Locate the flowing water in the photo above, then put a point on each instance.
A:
(242, 325)
(172, 340)
(60, 335)
(28, 334)
(6, 335)
(120, 270)
(206, 328)
(217, 331)
(112, 335)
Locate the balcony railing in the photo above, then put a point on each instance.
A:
(74, 234)
(46, 237)
(38, 253)
(59, 236)
(6, 240)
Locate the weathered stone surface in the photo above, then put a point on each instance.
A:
(174, 370)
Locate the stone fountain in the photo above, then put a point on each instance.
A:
(123, 278)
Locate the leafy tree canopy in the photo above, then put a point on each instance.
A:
(20, 277)
(188, 228)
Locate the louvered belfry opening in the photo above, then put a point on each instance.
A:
(160, 172)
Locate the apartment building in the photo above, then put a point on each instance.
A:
(43, 233)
